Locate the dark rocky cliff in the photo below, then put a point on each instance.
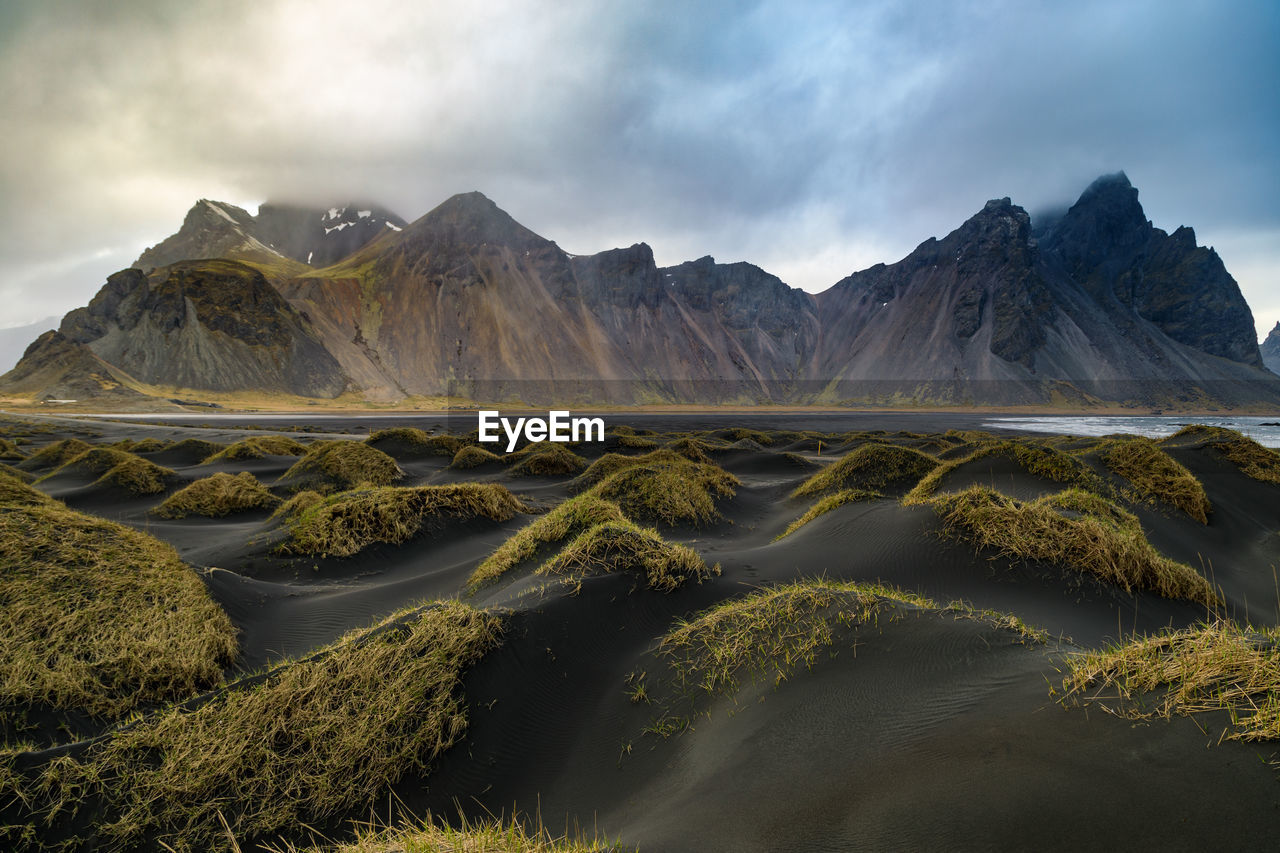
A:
(1270, 350)
(1096, 305)
(211, 325)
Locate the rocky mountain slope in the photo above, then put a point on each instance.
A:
(214, 325)
(1270, 350)
(287, 237)
(1097, 306)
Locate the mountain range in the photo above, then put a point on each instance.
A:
(1096, 306)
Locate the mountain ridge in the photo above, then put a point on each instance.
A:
(1096, 307)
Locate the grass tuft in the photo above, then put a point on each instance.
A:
(671, 492)
(568, 519)
(349, 522)
(308, 742)
(99, 617)
(473, 456)
(1214, 667)
(138, 476)
(10, 452)
(611, 463)
(218, 496)
(1037, 458)
(256, 448)
(1101, 539)
(694, 449)
(871, 467)
(55, 454)
(146, 445)
(549, 460)
(413, 440)
(1251, 458)
(1155, 474)
(616, 546)
(493, 836)
(95, 460)
(825, 506)
(297, 504)
(194, 449)
(336, 466)
(636, 442)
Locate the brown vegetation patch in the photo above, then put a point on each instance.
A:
(312, 740)
(217, 496)
(872, 467)
(97, 616)
(1155, 474)
(621, 546)
(1215, 667)
(330, 466)
(1074, 528)
(547, 460)
(348, 522)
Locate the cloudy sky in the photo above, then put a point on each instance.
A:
(810, 138)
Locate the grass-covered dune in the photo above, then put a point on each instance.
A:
(335, 466)
(347, 522)
(218, 495)
(97, 617)
(409, 441)
(748, 635)
(1074, 528)
(295, 749)
(872, 467)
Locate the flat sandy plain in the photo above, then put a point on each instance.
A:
(910, 715)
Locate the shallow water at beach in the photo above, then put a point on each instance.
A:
(1265, 430)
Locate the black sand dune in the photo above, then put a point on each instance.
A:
(924, 728)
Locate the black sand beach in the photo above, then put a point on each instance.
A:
(913, 725)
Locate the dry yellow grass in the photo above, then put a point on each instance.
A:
(672, 492)
(297, 504)
(146, 445)
(570, 518)
(825, 506)
(335, 466)
(1251, 458)
(768, 635)
(493, 836)
(546, 460)
(621, 546)
(636, 442)
(1155, 475)
(1214, 667)
(611, 463)
(871, 467)
(257, 447)
(413, 440)
(694, 449)
(99, 617)
(217, 496)
(10, 452)
(312, 740)
(54, 454)
(1036, 457)
(349, 522)
(473, 456)
(196, 449)
(1101, 539)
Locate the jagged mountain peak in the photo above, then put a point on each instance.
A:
(1105, 219)
(1270, 350)
(992, 312)
(472, 219)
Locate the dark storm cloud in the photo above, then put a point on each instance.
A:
(809, 138)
